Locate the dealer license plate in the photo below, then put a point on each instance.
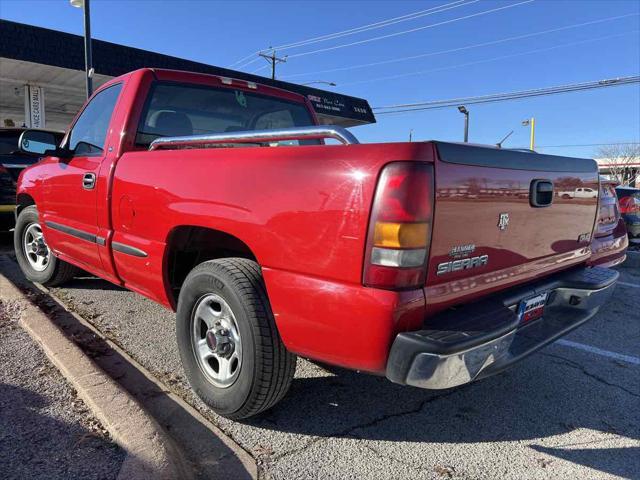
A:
(531, 308)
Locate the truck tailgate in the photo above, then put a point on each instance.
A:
(503, 217)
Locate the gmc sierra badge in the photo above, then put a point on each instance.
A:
(462, 264)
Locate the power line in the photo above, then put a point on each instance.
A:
(466, 47)
(500, 97)
(588, 144)
(381, 24)
(245, 64)
(255, 70)
(363, 28)
(390, 35)
(488, 60)
(457, 101)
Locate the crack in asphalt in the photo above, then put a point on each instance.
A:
(577, 366)
(349, 432)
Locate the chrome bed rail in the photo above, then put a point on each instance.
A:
(257, 136)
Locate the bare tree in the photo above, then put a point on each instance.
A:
(622, 162)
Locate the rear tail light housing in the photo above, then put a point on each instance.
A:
(608, 210)
(400, 227)
(629, 205)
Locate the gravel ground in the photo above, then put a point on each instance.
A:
(562, 413)
(46, 431)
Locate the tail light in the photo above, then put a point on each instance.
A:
(3, 170)
(400, 227)
(629, 205)
(608, 211)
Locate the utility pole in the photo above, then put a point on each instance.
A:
(411, 135)
(273, 60)
(532, 139)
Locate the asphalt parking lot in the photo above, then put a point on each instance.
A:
(570, 411)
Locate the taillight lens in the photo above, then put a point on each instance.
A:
(609, 213)
(629, 205)
(400, 227)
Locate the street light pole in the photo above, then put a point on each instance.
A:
(88, 62)
(532, 137)
(462, 109)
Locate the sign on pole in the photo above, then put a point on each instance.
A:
(34, 106)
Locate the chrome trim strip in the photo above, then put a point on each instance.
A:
(74, 232)
(15, 165)
(128, 249)
(257, 136)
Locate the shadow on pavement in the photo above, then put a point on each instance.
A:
(210, 457)
(622, 462)
(536, 399)
(85, 282)
(35, 445)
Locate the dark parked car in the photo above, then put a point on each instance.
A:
(629, 200)
(12, 162)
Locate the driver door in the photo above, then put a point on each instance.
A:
(69, 209)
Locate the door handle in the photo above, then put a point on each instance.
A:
(89, 181)
(541, 193)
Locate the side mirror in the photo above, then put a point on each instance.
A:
(39, 142)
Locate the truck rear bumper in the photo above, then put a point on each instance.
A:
(478, 340)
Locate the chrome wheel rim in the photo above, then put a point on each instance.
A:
(35, 248)
(215, 339)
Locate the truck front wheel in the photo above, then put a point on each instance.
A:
(230, 348)
(36, 260)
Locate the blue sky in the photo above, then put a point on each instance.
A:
(222, 32)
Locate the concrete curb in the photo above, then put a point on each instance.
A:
(150, 452)
(243, 457)
(633, 260)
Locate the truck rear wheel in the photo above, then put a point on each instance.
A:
(36, 260)
(230, 348)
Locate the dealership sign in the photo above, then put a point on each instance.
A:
(34, 106)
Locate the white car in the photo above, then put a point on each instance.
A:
(581, 192)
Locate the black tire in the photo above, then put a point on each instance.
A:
(56, 272)
(267, 368)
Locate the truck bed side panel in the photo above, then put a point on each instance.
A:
(300, 209)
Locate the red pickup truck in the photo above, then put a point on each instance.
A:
(433, 263)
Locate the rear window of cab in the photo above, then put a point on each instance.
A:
(177, 109)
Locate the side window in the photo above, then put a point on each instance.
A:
(90, 131)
